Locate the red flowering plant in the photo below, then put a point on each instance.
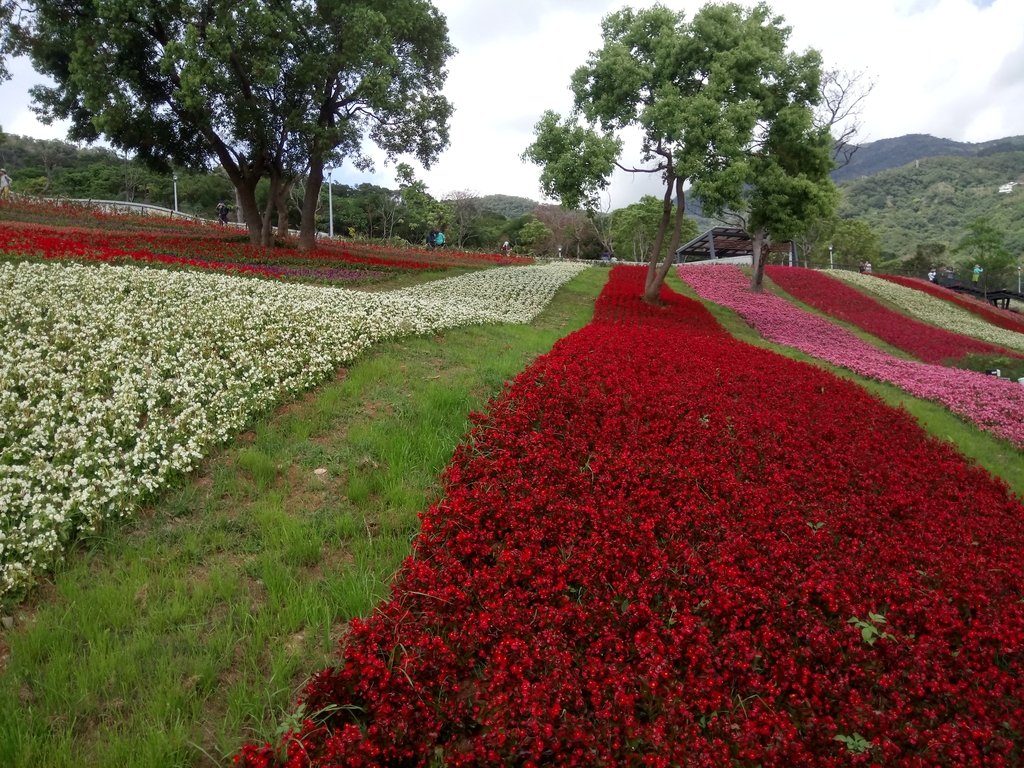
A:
(215, 248)
(926, 342)
(1011, 321)
(664, 547)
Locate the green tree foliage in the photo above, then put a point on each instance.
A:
(985, 245)
(576, 163)
(635, 228)
(419, 212)
(533, 234)
(779, 179)
(269, 89)
(854, 242)
(11, 13)
(699, 94)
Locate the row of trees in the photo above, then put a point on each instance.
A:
(275, 91)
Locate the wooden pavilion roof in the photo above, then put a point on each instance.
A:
(721, 243)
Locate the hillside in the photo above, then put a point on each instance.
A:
(934, 199)
(877, 156)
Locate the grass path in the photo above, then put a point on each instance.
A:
(169, 640)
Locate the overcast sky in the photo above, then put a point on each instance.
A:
(949, 68)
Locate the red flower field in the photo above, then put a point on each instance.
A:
(926, 342)
(212, 247)
(665, 547)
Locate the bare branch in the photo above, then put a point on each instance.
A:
(842, 99)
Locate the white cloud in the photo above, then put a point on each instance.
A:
(950, 68)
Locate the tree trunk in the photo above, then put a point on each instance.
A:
(281, 203)
(757, 263)
(652, 285)
(311, 202)
(652, 290)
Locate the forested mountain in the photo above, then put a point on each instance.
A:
(935, 199)
(52, 168)
(509, 206)
(877, 156)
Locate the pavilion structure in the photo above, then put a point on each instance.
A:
(728, 243)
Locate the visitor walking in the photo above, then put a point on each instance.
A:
(5, 185)
(976, 273)
(222, 212)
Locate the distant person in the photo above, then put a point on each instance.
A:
(976, 273)
(505, 248)
(439, 240)
(222, 212)
(867, 267)
(932, 274)
(432, 238)
(5, 185)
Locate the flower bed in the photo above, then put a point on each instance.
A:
(224, 250)
(935, 311)
(112, 378)
(993, 404)
(1001, 317)
(926, 342)
(663, 547)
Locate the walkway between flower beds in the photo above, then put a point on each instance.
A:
(662, 546)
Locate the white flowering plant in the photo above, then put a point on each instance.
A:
(114, 378)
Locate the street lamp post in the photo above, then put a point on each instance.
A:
(174, 178)
(831, 265)
(330, 204)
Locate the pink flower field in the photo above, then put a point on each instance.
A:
(993, 404)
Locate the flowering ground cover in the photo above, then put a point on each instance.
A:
(114, 378)
(993, 404)
(933, 310)
(646, 555)
(926, 342)
(1001, 317)
(215, 248)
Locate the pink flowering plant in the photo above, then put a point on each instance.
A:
(993, 404)
(926, 342)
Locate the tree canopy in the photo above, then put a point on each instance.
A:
(703, 95)
(267, 88)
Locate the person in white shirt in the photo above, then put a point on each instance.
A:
(5, 185)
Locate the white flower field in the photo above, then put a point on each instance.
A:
(114, 378)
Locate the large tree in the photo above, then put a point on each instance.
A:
(780, 182)
(697, 92)
(268, 88)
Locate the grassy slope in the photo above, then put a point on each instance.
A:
(166, 641)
